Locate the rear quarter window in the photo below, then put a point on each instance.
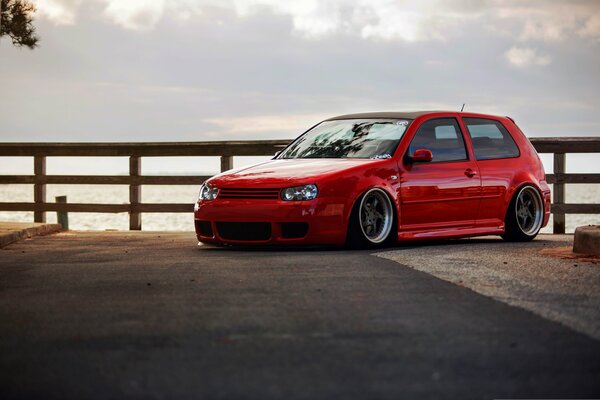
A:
(490, 139)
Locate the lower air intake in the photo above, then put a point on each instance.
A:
(294, 230)
(204, 228)
(244, 230)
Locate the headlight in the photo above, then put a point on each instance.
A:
(306, 192)
(208, 192)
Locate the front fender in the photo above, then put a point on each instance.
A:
(348, 188)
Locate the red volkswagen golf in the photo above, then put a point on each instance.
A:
(375, 178)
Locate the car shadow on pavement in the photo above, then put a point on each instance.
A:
(396, 246)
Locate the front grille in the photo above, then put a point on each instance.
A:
(257, 194)
(294, 230)
(204, 228)
(244, 230)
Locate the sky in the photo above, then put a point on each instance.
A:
(186, 70)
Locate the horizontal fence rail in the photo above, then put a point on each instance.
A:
(226, 150)
(157, 149)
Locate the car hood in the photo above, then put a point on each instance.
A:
(286, 171)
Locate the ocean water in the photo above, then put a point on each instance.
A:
(117, 194)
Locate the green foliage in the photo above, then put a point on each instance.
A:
(16, 17)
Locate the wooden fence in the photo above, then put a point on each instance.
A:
(560, 147)
(226, 151)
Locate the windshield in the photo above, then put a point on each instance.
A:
(349, 138)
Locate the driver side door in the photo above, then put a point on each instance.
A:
(443, 193)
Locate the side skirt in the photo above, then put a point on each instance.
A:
(450, 233)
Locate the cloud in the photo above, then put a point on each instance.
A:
(265, 123)
(369, 19)
(135, 14)
(547, 30)
(525, 57)
(61, 12)
(548, 21)
(591, 29)
(388, 20)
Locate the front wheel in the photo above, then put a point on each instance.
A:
(372, 220)
(525, 215)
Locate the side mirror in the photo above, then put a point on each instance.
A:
(421, 155)
(276, 154)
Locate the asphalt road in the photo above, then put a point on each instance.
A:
(151, 315)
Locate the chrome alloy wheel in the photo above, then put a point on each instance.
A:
(376, 216)
(529, 210)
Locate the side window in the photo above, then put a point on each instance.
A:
(442, 137)
(490, 139)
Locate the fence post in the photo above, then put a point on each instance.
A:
(62, 217)
(39, 188)
(135, 195)
(226, 163)
(559, 192)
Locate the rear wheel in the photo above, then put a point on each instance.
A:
(371, 221)
(524, 216)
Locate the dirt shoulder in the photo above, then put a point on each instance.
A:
(542, 276)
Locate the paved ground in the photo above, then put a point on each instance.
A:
(566, 290)
(151, 315)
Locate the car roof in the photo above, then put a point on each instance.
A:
(387, 114)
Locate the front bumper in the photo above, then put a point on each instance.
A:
(248, 222)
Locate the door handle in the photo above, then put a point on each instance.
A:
(470, 173)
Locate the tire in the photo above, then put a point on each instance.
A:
(372, 221)
(524, 216)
